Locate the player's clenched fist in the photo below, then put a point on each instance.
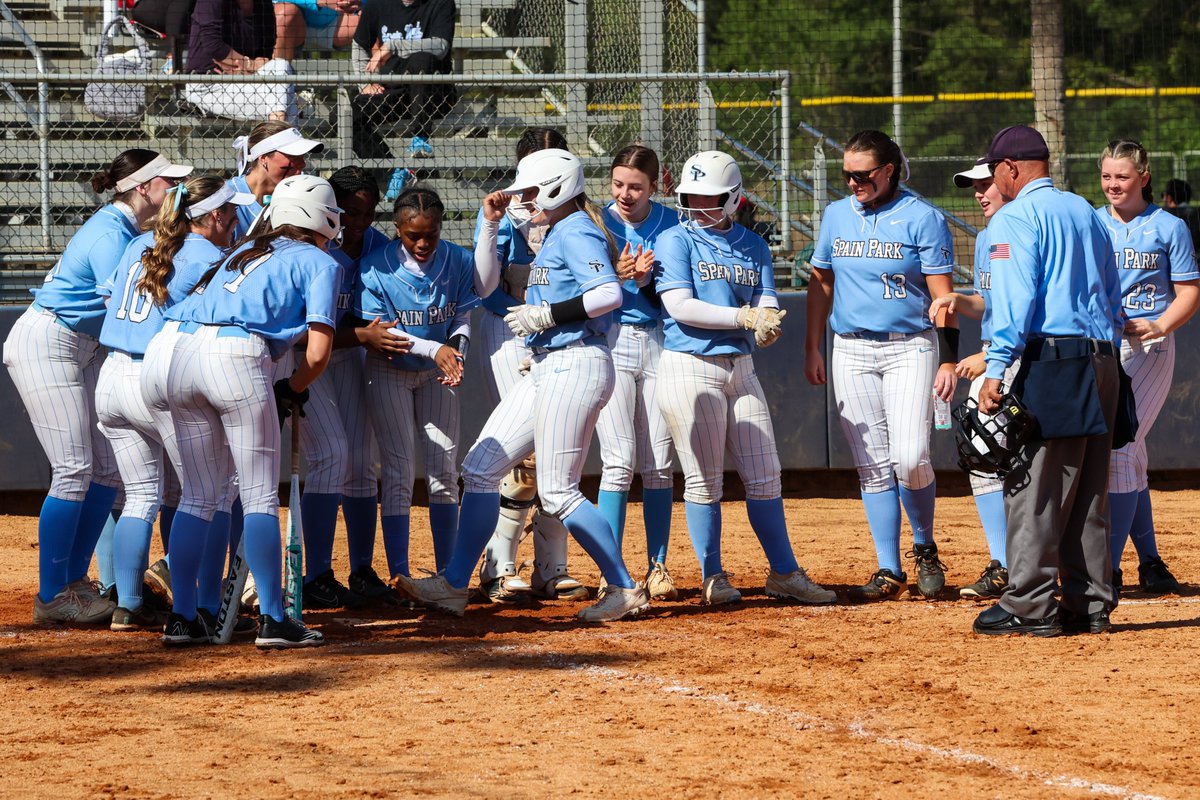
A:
(526, 320)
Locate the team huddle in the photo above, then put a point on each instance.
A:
(191, 317)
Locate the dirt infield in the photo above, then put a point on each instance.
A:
(897, 699)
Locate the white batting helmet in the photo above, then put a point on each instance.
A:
(712, 174)
(308, 202)
(557, 175)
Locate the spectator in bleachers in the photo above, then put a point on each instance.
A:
(237, 37)
(1177, 198)
(319, 24)
(171, 20)
(402, 37)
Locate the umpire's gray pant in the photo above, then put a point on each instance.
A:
(1058, 520)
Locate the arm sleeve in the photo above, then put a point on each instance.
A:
(686, 309)
(487, 258)
(602, 299)
(460, 325)
(435, 45)
(1015, 281)
(359, 57)
(765, 295)
(425, 348)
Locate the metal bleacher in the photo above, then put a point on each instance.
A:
(473, 145)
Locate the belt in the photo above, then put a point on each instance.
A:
(641, 326)
(224, 330)
(127, 354)
(873, 336)
(49, 313)
(1053, 348)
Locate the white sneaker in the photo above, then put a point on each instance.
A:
(659, 584)
(799, 587)
(617, 604)
(70, 606)
(717, 590)
(435, 592)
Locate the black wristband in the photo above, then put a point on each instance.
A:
(567, 311)
(948, 345)
(461, 343)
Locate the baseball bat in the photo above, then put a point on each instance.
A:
(231, 600)
(294, 583)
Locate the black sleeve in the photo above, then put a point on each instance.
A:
(567, 311)
(441, 20)
(368, 26)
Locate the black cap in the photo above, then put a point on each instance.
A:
(1018, 143)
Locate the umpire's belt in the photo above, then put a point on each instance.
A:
(1053, 348)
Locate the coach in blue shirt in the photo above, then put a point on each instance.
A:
(1055, 305)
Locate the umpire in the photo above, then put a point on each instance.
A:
(1056, 306)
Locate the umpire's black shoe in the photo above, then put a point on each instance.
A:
(324, 591)
(1155, 578)
(997, 621)
(274, 634)
(1073, 622)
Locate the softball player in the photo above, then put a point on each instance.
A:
(1160, 287)
(272, 151)
(241, 317)
(336, 435)
(427, 285)
(517, 241)
(565, 319)
(890, 254)
(630, 423)
(157, 270)
(716, 285)
(989, 500)
(53, 356)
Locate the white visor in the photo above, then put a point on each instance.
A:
(159, 167)
(289, 142)
(981, 171)
(226, 194)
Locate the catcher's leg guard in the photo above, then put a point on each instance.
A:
(518, 493)
(550, 578)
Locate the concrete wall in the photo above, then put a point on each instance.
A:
(806, 426)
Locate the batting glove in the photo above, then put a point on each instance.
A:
(526, 320)
(768, 330)
(286, 398)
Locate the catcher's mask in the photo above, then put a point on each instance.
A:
(992, 445)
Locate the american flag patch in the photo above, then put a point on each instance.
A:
(998, 251)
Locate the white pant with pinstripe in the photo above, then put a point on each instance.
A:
(336, 435)
(630, 425)
(711, 404)
(1150, 367)
(553, 411)
(55, 371)
(414, 417)
(884, 393)
(503, 352)
(131, 429)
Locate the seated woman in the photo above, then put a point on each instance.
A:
(237, 37)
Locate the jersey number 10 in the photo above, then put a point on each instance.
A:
(135, 306)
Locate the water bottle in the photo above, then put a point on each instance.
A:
(941, 413)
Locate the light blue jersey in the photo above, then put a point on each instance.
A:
(1153, 251)
(573, 259)
(730, 268)
(372, 239)
(511, 248)
(983, 283)
(133, 318)
(245, 214)
(423, 306)
(91, 256)
(276, 296)
(879, 258)
(635, 308)
(1053, 273)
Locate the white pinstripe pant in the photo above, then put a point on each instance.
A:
(631, 425)
(131, 429)
(714, 403)
(1150, 366)
(503, 352)
(413, 414)
(55, 371)
(336, 435)
(552, 411)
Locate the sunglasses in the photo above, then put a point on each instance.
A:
(861, 175)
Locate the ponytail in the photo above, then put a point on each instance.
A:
(596, 213)
(171, 227)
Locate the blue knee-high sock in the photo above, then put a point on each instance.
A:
(360, 529)
(105, 560)
(237, 523)
(94, 515)
(476, 523)
(166, 515)
(395, 542)
(131, 556)
(1122, 506)
(1142, 530)
(704, 528)
(918, 505)
(443, 522)
(995, 525)
(656, 514)
(591, 530)
(612, 507)
(264, 556)
(212, 563)
(319, 512)
(188, 536)
(56, 531)
(766, 518)
(883, 518)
